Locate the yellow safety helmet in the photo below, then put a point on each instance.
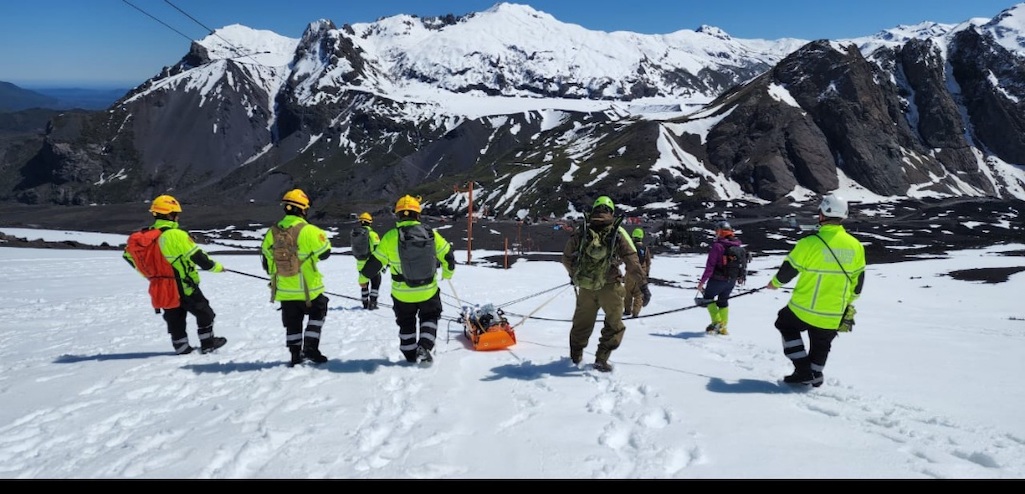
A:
(297, 198)
(366, 217)
(165, 204)
(408, 203)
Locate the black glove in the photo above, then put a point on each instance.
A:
(646, 295)
(571, 281)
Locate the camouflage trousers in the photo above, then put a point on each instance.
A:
(633, 301)
(610, 300)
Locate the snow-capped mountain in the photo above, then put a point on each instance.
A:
(543, 115)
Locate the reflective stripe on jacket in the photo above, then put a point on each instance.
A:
(823, 290)
(312, 243)
(179, 249)
(375, 239)
(387, 253)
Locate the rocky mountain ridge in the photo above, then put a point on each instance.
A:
(544, 117)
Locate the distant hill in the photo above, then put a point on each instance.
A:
(31, 121)
(85, 99)
(14, 98)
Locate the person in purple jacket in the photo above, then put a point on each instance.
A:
(722, 273)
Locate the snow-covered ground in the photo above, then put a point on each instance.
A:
(927, 386)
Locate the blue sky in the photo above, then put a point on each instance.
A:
(110, 43)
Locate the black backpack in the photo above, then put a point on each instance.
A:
(734, 262)
(360, 242)
(417, 255)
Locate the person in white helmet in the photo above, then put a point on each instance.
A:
(830, 270)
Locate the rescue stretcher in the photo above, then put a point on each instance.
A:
(487, 328)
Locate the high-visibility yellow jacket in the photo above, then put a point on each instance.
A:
(387, 255)
(375, 239)
(313, 246)
(824, 286)
(181, 253)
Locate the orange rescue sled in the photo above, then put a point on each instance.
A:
(487, 328)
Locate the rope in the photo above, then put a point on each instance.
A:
(741, 294)
(247, 274)
(460, 306)
(521, 299)
(647, 315)
(465, 314)
(264, 278)
(542, 305)
(525, 317)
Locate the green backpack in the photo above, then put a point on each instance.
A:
(594, 257)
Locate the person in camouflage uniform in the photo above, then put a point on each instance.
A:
(608, 298)
(638, 295)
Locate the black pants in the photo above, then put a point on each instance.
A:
(819, 341)
(176, 318)
(292, 314)
(406, 314)
(719, 290)
(373, 287)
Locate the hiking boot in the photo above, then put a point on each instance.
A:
(366, 304)
(315, 356)
(423, 356)
(722, 330)
(710, 329)
(626, 313)
(804, 377)
(576, 355)
(602, 366)
(373, 304)
(297, 356)
(212, 343)
(187, 349)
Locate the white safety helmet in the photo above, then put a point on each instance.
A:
(833, 206)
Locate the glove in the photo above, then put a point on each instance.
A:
(218, 267)
(701, 301)
(847, 322)
(646, 295)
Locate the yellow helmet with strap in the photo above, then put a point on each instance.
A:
(165, 204)
(297, 198)
(408, 203)
(366, 217)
